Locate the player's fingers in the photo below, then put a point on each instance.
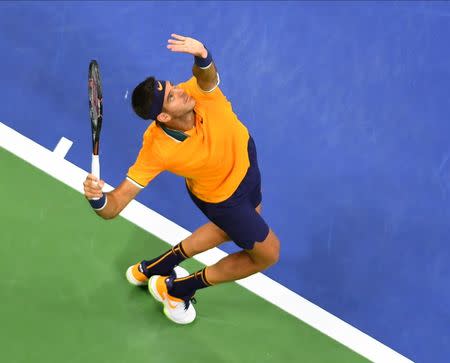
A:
(173, 41)
(91, 186)
(178, 48)
(178, 36)
(93, 191)
(90, 192)
(92, 177)
(87, 184)
(97, 194)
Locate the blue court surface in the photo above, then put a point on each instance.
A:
(348, 103)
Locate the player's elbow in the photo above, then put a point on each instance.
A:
(107, 215)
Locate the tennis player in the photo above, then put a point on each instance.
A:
(195, 134)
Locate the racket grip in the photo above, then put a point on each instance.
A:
(95, 168)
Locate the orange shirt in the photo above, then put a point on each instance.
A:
(213, 159)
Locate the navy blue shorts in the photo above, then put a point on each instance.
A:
(237, 216)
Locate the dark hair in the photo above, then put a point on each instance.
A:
(142, 98)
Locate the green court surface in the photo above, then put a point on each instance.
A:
(64, 296)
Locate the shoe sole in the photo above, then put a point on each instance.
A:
(180, 272)
(176, 321)
(165, 310)
(153, 290)
(131, 279)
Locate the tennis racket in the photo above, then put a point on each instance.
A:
(96, 113)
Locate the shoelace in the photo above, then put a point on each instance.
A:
(191, 300)
(187, 301)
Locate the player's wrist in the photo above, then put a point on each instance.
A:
(204, 59)
(99, 204)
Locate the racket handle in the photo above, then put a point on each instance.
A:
(95, 168)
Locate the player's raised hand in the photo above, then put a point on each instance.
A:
(182, 44)
(93, 187)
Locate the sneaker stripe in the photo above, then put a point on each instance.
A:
(138, 275)
(172, 306)
(159, 260)
(185, 278)
(204, 278)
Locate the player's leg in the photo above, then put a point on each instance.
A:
(203, 239)
(245, 226)
(180, 309)
(176, 293)
(255, 258)
(245, 263)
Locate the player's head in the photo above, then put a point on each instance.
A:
(160, 100)
(147, 98)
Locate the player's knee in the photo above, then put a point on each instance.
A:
(223, 236)
(268, 253)
(274, 252)
(268, 259)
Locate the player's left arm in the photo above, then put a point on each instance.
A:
(204, 69)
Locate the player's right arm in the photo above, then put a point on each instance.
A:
(115, 200)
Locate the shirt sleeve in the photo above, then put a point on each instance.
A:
(193, 89)
(147, 166)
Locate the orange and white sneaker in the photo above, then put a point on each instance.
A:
(180, 311)
(135, 275)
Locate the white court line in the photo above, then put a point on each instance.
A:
(63, 147)
(170, 232)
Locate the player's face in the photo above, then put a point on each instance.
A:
(176, 101)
